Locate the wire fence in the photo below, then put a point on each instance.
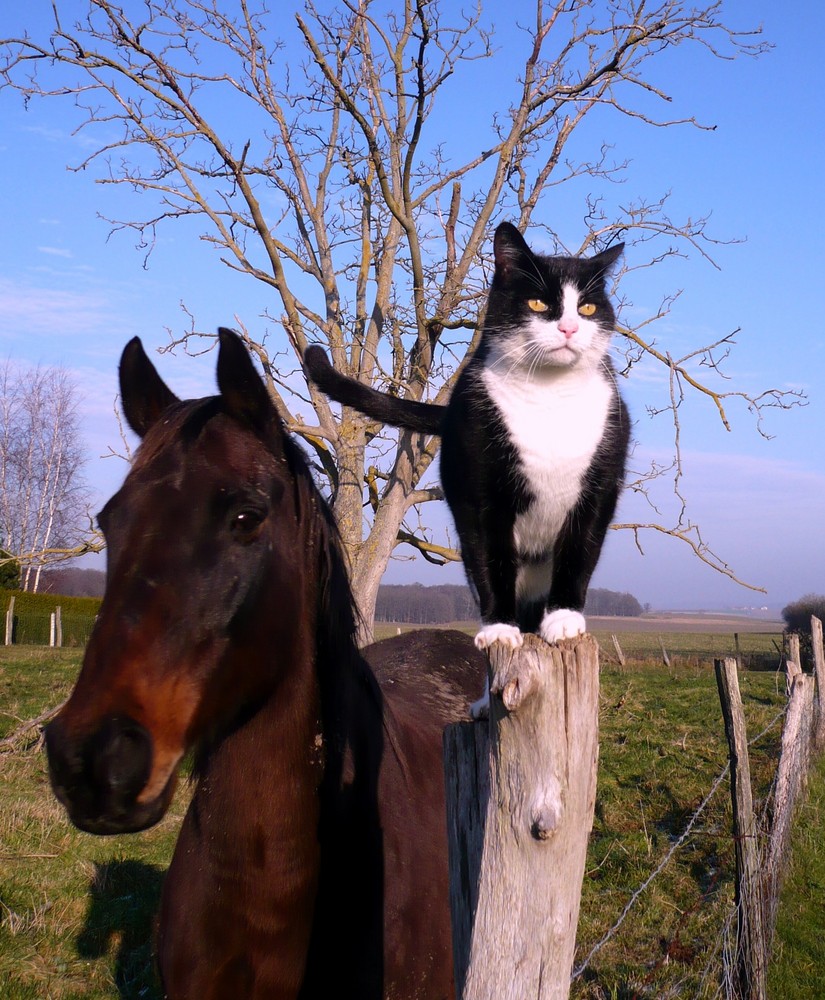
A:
(763, 839)
(752, 650)
(737, 963)
(42, 622)
(715, 979)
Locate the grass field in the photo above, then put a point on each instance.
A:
(76, 911)
(797, 971)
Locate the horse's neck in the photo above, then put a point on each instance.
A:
(261, 782)
(241, 889)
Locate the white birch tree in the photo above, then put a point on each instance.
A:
(42, 491)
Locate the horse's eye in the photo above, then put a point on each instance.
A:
(247, 521)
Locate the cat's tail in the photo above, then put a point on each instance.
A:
(408, 413)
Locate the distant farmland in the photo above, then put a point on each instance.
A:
(708, 624)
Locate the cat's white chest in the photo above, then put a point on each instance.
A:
(555, 422)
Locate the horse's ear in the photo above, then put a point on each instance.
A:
(143, 393)
(242, 389)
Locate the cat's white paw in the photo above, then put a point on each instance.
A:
(509, 635)
(563, 623)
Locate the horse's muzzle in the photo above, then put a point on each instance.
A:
(99, 777)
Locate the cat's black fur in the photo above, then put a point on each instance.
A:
(495, 458)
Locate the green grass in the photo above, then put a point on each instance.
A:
(797, 971)
(661, 747)
(76, 911)
(32, 679)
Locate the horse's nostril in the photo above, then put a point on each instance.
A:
(121, 756)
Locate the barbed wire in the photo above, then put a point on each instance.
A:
(580, 969)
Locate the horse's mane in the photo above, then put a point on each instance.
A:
(337, 614)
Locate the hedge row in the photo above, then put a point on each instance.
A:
(32, 617)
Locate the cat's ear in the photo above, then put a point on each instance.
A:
(510, 248)
(607, 259)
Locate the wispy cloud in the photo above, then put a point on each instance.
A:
(766, 491)
(45, 132)
(56, 251)
(60, 136)
(31, 309)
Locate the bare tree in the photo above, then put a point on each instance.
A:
(42, 492)
(323, 165)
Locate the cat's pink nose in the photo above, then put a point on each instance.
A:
(568, 326)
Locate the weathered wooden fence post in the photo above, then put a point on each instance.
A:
(751, 952)
(793, 663)
(791, 774)
(819, 674)
(521, 792)
(793, 649)
(10, 622)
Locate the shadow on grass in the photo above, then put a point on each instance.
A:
(120, 922)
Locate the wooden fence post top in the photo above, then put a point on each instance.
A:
(518, 674)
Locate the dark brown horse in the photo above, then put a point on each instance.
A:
(312, 860)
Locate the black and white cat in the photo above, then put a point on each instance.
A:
(534, 439)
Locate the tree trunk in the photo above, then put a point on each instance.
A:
(374, 552)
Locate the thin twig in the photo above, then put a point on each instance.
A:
(9, 742)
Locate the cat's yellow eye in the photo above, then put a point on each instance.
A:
(537, 305)
(586, 309)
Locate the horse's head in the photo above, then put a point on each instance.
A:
(210, 536)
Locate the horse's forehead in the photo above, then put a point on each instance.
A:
(220, 446)
(225, 443)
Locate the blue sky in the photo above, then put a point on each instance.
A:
(72, 295)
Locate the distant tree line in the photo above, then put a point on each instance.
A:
(68, 581)
(613, 602)
(411, 603)
(415, 604)
(797, 616)
(72, 582)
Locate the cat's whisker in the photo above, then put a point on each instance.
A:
(515, 353)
